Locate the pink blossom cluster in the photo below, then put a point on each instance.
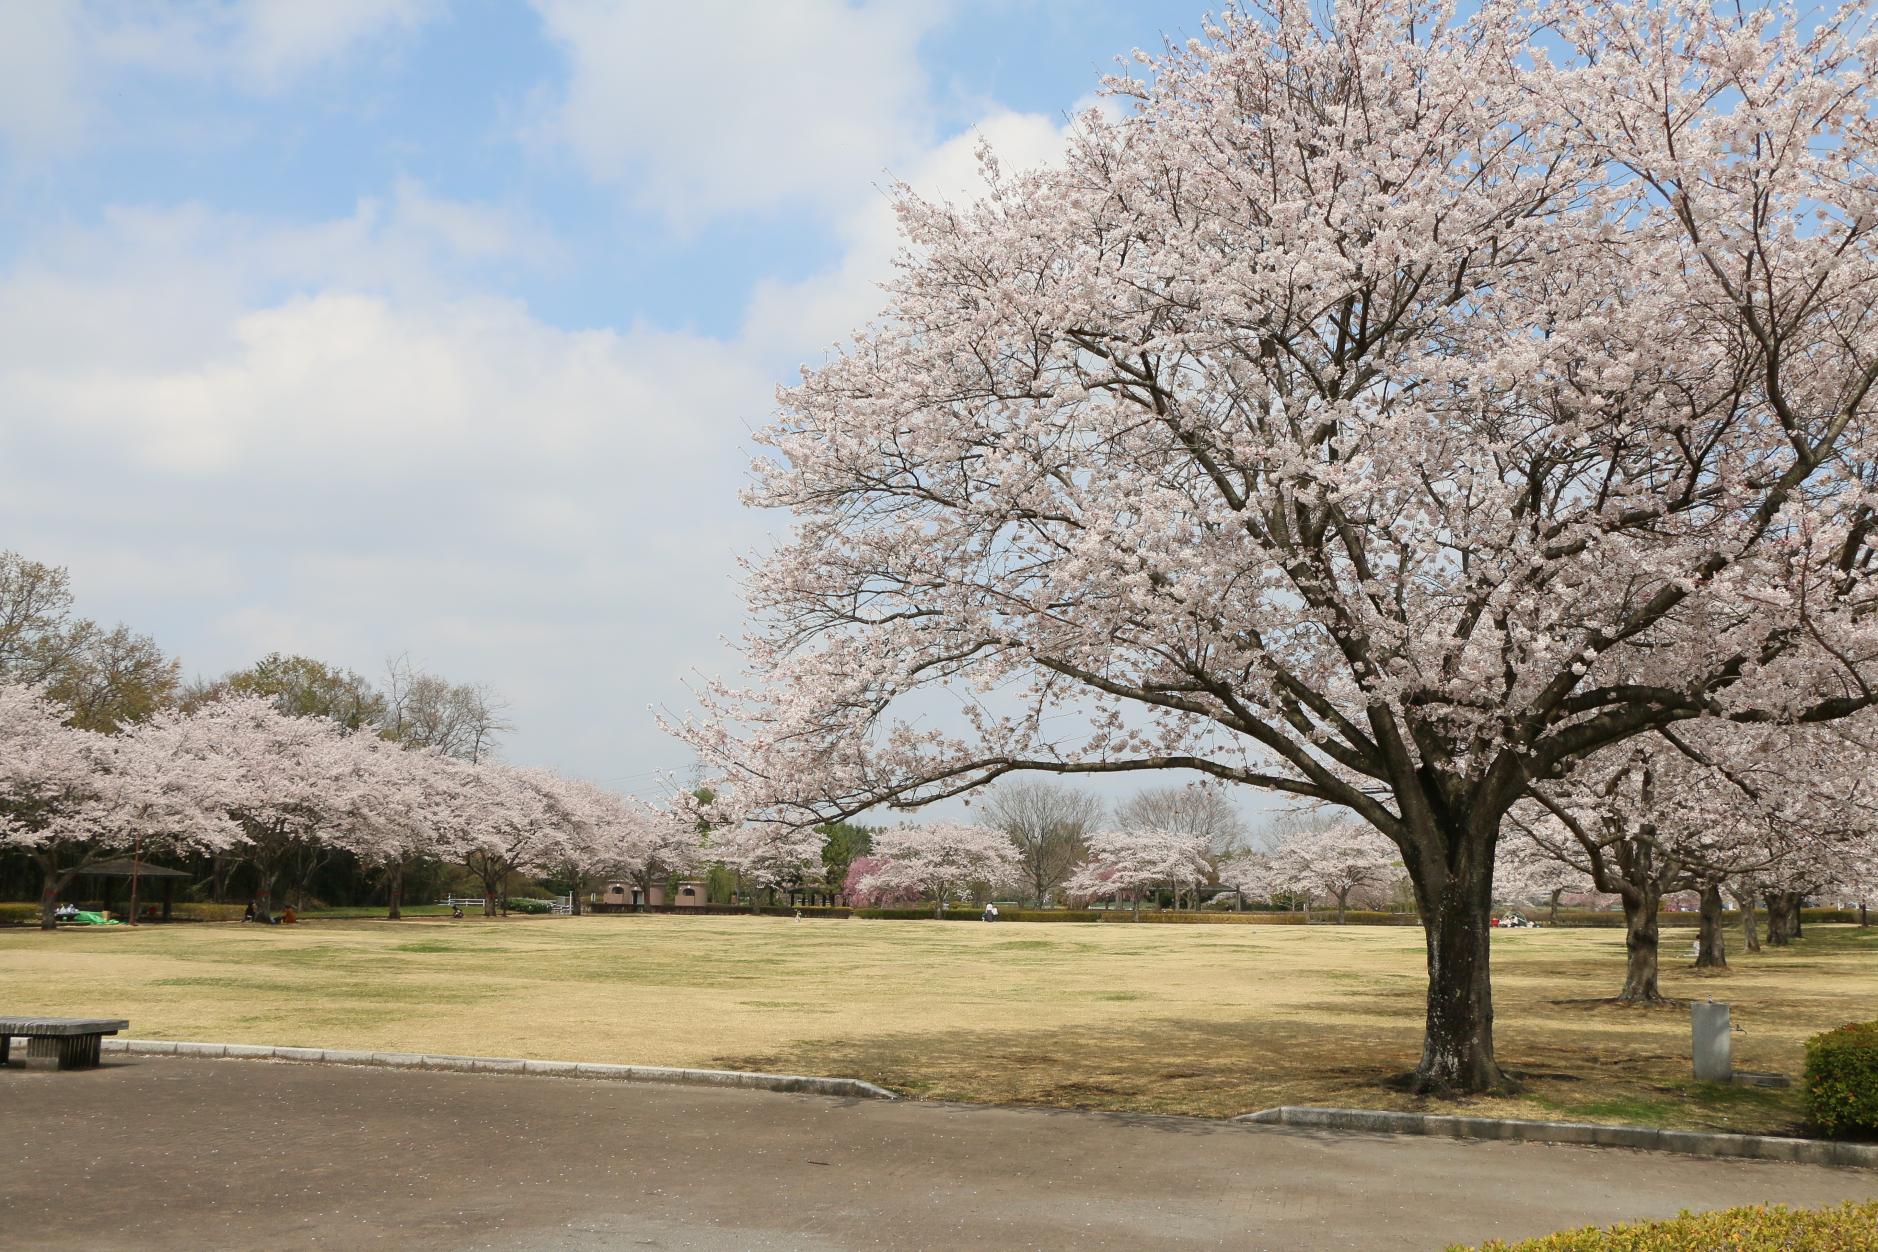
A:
(239, 776)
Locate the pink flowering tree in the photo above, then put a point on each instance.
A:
(1331, 861)
(72, 798)
(763, 855)
(403, 804)
(288, 783)
(160, 785)
(1125, 863)
(522, 817)
(47, 783)
(1693, 808)
(1390, 409)
(1249, 874)
(862, 869)
(1526, 871)
(941, 862)
(620, 836)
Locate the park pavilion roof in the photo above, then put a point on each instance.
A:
(123, 867)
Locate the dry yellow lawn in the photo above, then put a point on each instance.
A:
(1215, 1019)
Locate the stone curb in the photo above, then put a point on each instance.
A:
(850, 1087)
(1685, 1142)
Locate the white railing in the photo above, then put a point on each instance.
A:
(558, 904)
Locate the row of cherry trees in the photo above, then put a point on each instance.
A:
(239, 776)
(1760, 813)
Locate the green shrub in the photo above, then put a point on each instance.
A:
(530, 906)
(1842, 1082)
(1758, 1228)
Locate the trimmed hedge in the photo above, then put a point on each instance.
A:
(1669, 917)
(1842, 1082)
(1849, 1227)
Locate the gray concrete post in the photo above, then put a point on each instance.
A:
(1713, 1041)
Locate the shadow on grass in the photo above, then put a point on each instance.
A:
(1209, 1069)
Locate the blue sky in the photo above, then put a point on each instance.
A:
(365, 327)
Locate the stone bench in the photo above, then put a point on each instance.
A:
(58, 1042)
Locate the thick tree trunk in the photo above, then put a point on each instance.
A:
(1456, 904)
(1863, 918)
(268, 854)
(1796, 920)
(1552, 917)
(1750, 929)
(1711, 947)
(1643, 943)
(1342, 912)
(396, 892)
(1778, 933)
(49, 901)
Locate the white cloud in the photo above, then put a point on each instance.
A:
(59, 59)
(825, 308)
(272, 42)
(261, 45)
(714, 107)
(362, 469)
(246, 434)
(41, 106)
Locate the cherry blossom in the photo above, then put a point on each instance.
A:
(1390, 409)
(1332, 860)
(942, 861)
(1125, 863)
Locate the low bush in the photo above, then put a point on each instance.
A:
(1757, 1228)
(530, 906)
(1842, 1082)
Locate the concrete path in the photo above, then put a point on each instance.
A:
(173, 1154)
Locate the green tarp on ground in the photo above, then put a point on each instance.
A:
(82, 918)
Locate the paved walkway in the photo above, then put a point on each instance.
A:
(173, 1154)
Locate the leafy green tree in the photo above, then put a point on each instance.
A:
(108, 677)
(301, 686)
(842, 843)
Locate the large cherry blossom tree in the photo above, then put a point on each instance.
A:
(1331, 861)
(160, 785)
(47, 783)
(406, 803)
(1125, 863)
(942, 861)
(1389, 408)
(289, 782)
